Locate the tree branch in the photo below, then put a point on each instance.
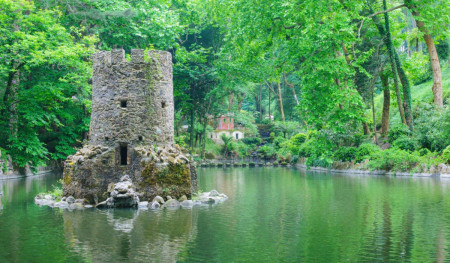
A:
(387, 10)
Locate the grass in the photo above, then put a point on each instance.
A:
(419, 93)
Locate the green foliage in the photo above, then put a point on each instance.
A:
(432, 126)
(251, 141)
(267, 151)
(393, 160)
(365, 150)
(278, 141)
(446, 154)
(424, 152)
(181, 140)
(398, 131)
(228, 146)
(46, 69)
(406, 143)
(319, 161)
(298, 139)
(345, 154)
(418, 68)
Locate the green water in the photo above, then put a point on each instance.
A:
(272, 215)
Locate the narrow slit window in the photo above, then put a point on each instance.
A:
(163, 104)
(237, 136)
(123, 155)
(140, 138)
(107, 139)
(123, 103)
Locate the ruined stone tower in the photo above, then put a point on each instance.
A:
(132, 102)
(131, 130)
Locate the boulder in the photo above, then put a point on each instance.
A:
(213, 193)
(70, 199)
(187, 204)
(143, 205)
(154, 205)
(182, 198)
(158, 199)
(76, 206)
(61, 204)
(123, 194)
(172, 203)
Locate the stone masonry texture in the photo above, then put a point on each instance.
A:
(132, 109)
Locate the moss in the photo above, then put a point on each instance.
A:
(173, 179)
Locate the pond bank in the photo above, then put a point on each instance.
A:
(440, 170)
(12, 172)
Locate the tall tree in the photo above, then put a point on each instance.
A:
(415, 7)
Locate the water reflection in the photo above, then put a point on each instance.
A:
(130, 235)
(272, 215)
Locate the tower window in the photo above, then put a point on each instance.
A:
(163, 104)
(123, 103)
(107, 139)
(140, 138)
(123, 154)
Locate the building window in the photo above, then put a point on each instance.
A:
(123, 154)
(140, 138)
(123, 103)
(163, 104)
(237, 136)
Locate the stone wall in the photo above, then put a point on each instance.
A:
(131, 131)
(132, 102)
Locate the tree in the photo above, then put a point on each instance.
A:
(443, 17)
(45, 103)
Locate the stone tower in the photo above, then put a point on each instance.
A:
(131, 131)
(132, 102)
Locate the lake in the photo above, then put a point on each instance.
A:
(272, 215)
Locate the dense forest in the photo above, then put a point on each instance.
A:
(361, 80)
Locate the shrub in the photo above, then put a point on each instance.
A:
(298, 139)
(393, 160)
(278, 141)
(398, 131)
(446, 154)
(365, 150)
(294, 159)
(266, 151)
(424, 152)
(320, 161)
(345, 154)
(251, 140)
(432, 126)
(406, 143)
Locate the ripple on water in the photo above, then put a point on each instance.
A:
(272, 214)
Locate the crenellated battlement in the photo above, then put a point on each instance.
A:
(131, 131)
(132, 101)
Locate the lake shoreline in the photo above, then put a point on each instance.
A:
(441, 171)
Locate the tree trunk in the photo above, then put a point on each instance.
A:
(240, 102)
(435, 66)
(292, 88)
(366, 128)
(280, 100)
(191, 131)
(387, 42)
(400, 71)
(386, 104)
(230, 101)
(270, 118)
